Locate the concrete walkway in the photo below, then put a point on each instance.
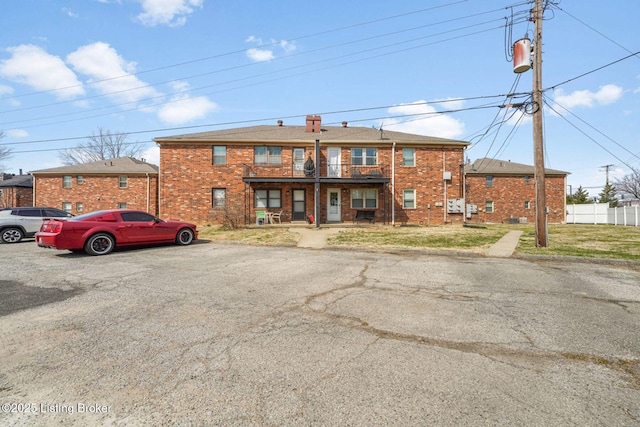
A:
(316, 238)
(504, 247)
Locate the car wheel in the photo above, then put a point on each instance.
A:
(12, 235)
(184, 236)
(99, 244)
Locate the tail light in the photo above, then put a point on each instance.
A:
(51, 226)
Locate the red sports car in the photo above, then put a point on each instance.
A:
(98, 233)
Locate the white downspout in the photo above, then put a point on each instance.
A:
(393, 184)
(148, 192)
(444, 182)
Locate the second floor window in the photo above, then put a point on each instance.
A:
(219, 155)
(364, 156)
(408, 157)
(123, 181)
(489, 180)
(267, 155)
(66, 181)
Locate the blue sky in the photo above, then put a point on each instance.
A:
(154, 68)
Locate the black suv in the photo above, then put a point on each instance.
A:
(18, 223)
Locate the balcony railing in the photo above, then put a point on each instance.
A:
(298, 170)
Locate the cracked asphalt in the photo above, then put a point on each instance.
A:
(214, 334)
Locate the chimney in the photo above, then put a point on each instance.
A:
(344, 124)
(313, 124)
(280, 122)
(20, 172)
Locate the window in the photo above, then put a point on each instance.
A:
(79, 179)
(219, 155)
(409, 199)
(218, 197)
(137, 217)
(66, 181)
(488, 207)
(79, 207)
(1, 192)
(366, 198)
(267, 155)
(122, 205)
(527, 179)
(527, 204)
(268, 199)
(408, 157)
(123, 181)
(66, 206)
(489, 180)
(364, 156)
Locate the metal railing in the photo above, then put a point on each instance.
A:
(298, 170)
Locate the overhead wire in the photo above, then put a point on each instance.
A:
(268, 119)
(584, 133)
(317, 69)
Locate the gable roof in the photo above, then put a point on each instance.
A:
(17, 181)
(487, 166)
(120, 165)
(298, 134)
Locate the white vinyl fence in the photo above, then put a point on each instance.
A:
(601, 213)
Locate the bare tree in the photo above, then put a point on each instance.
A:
(105, 145)
(629, 184)
(5, 153)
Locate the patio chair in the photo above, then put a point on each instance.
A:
(274, 216)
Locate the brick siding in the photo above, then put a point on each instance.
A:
(98, 192)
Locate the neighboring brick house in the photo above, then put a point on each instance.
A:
(106, 184)
(16, 190)
(210, 177)
(504, 191)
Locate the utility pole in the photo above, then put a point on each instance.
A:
(538, 145)
(606, 168)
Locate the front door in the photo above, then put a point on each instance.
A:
(299, 205)
(333, 164)
(333, 205)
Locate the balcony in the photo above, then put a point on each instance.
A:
(296, 172)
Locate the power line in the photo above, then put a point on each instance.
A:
(451, 111)
(234, 52)
(257, 83)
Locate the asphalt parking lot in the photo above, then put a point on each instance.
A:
(214, 334)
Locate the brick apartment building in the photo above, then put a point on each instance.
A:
(504, 191)
(16, 190)
(340, 172)
(107, 184)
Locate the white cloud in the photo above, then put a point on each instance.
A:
(17, 133)
(168, 12)
(5, 90)
(33, 66)
(267, 52)
(110, 73)
(183, 108)
(152, 155)
(606, 95)
(260, 55)
(423, 120)
(70, 13)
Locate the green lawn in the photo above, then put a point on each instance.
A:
(592, 241)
